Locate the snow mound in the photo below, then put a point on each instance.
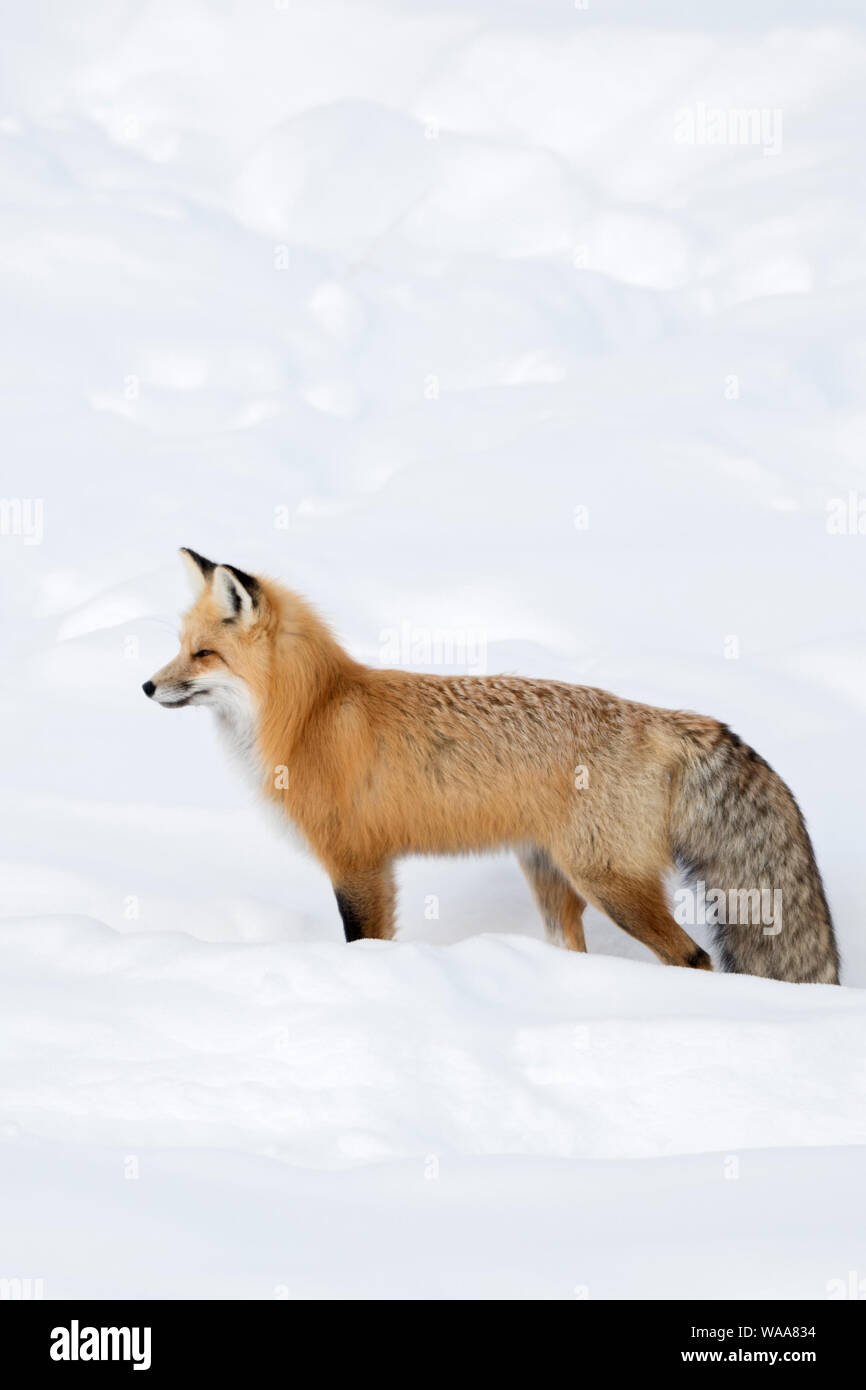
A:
(329, 1056)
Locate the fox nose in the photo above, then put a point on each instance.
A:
(148, 688)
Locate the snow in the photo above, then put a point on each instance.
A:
(488, 1118)
(427, 310)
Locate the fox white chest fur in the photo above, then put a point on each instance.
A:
(237, 720)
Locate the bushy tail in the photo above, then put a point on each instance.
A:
(740, 837)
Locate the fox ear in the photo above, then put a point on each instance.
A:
(238, 594)
(198, 569)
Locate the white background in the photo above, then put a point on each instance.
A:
(372, 298)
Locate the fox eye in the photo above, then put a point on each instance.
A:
(196, 656)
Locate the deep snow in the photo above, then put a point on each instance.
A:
(429, 311)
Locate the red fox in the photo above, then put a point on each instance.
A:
(372, 764)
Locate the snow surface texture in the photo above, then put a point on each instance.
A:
(453, 317)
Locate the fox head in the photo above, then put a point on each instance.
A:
(224, 642)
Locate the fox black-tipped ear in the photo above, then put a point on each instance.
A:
(198, 570)
(237, 593)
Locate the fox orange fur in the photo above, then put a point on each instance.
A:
(373, 764)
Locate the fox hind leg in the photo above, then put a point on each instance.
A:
(641, 909)
(560, 906)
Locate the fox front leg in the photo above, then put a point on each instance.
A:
(366, 901)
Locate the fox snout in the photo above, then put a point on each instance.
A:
(173, 692)
(168, 694)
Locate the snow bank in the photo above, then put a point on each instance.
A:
(325, 1056)
(187, 1118)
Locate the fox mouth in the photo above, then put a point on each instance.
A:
(184, 700)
